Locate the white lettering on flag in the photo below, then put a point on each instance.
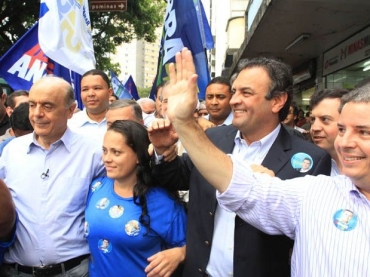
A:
(170, 46)
(22, 66)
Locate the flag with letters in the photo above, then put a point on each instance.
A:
(65, 33)
(185, 25)
(25, 63)
(131, 87)
(118, 88)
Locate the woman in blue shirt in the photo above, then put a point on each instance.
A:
(129, 218)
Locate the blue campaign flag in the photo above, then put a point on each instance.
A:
(131, 87)
(182, 28)
(204, 28)
(25, 63)
(118, 88)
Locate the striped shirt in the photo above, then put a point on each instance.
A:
(313, 211)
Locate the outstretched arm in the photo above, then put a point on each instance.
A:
(212, 163)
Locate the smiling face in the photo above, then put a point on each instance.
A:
(217, 102)
(119, 159)
(254, 116)
(324, 124)
(49, 112)
(353, 144)
(95, 94)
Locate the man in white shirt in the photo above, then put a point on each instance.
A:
(218, 95)
(95, 93)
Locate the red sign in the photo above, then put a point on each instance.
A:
(108, 6)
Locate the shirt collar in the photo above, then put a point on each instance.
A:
(264, 143)
(228, 120)
(83, 119)
(65, 140)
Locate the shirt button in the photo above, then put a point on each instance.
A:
(200, 270)
(210, 213)
(206, 242)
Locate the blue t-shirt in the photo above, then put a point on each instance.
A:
(119, 243)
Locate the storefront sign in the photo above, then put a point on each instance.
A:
(348, 52)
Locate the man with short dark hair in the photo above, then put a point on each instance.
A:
(95, 93)
(19, 123)
(324, 118)
(58, 166)
(218, 95)
(261, 96)
(338, 206)
(13, 100)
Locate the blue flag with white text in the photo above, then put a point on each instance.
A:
(118, 88)
(131, 87)
(25, 63)
(182, 28)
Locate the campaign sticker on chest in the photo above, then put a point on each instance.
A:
(302, 162)
(345, 220)
(116, 211)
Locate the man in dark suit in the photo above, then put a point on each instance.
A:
(219, 243)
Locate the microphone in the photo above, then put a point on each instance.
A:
(45, 174)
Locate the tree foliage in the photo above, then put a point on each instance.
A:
(110, 29)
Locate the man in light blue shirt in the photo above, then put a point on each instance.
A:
(48, 173)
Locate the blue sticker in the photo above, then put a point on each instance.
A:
(345, 220)
(104, 246)
(302, 162)
(102, 203)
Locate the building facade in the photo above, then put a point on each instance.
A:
(139, 59)
(327, 43)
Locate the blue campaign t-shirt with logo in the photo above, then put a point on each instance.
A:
(119, 244)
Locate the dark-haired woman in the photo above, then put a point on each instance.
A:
(129, 218)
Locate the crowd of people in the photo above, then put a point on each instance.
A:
(101, 191)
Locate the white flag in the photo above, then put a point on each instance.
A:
(65, 33)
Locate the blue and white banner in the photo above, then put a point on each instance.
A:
(25, 63)
(182, 28)
(65, 33)
(118, 88)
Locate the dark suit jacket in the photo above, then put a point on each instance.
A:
(255, 253)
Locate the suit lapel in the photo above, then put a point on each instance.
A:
(276, 157)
